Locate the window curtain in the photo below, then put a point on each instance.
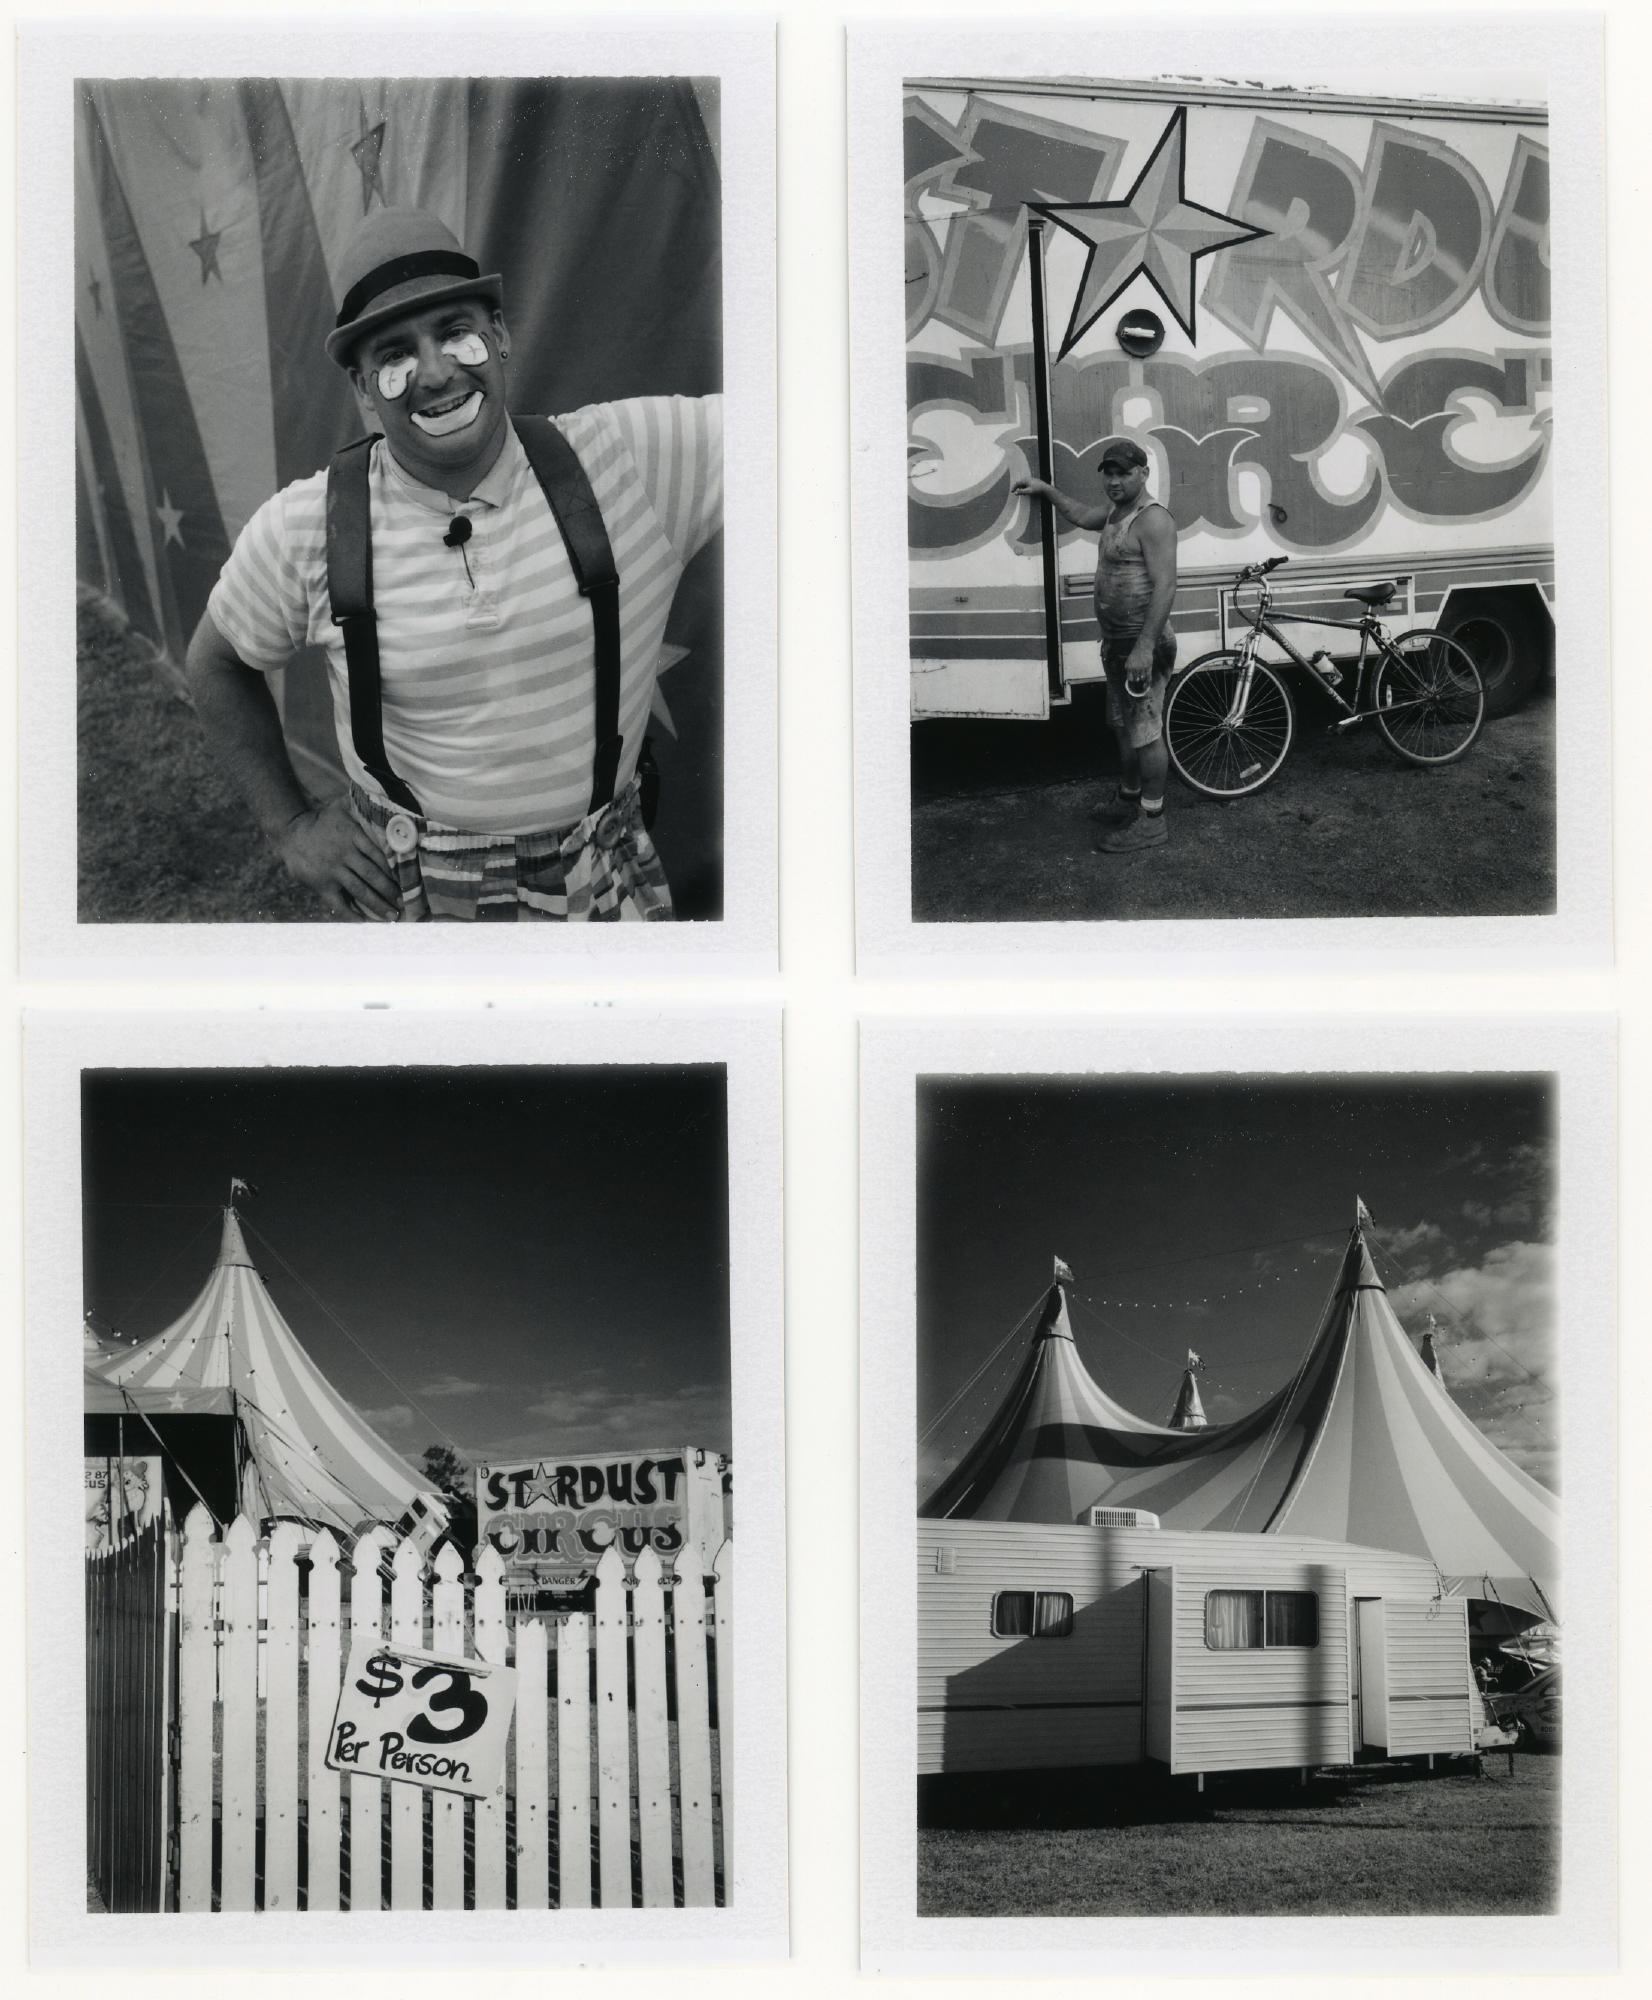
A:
(1293, 1618)
(1233, 1620)
(1013, 1614)
(1052, 1615)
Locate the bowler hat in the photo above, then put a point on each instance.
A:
(1122, 451)
(402, 260)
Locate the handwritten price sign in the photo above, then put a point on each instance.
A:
(422, 1719)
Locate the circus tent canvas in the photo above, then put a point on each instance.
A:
(1362, 1445)
(231, 1359)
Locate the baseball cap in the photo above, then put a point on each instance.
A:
(1122, 451)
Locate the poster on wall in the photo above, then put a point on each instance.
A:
(123, 1497)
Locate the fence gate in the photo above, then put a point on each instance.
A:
(616, 1770)
(130, 1690)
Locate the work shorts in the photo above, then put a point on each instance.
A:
(601, 870)
(1136, 720)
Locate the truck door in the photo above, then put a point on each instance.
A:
(1368, 1675)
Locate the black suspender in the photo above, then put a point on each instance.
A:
(350, 586)
(567, 489)
(573, 505)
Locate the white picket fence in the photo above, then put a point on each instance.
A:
(617, 1781)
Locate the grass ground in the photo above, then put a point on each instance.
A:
(164, 837)
(1383, 1841)
(1000, 829)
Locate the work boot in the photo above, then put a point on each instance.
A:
(1116, 807)
(1145, 830)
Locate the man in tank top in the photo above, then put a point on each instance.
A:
(1135, 590)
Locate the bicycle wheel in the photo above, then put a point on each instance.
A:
(1224, 756)
(1430, 701)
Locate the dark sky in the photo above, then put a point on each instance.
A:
(537, 1256)
(1161, 1195)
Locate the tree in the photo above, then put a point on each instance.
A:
(446, 1471)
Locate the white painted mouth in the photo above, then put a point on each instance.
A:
(444, 422)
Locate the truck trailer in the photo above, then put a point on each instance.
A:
(1060, 1646)
(1324, 318)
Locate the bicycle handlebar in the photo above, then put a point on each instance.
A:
(1254, 570)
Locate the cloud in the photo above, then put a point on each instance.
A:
(393, 1417)
(595, 1413)
(1495, 1332)
(1403, 1242)
(452, 1385)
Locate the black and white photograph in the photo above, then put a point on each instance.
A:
(410, 1492)
(1238, 1405)
(401, 578)
(1231, 495)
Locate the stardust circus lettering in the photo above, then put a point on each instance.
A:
(568, 1514)
(1388, 250)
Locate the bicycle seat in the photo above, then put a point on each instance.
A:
(1371, 593)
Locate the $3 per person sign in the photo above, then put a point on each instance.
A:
(420, 1719)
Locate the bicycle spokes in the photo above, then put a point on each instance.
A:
(1429, 701)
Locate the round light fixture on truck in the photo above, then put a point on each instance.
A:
(1140, 334)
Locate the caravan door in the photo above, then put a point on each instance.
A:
(1368, 1679)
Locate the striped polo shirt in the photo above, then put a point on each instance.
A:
(489, 678)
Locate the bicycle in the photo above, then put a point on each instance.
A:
(1229, 718)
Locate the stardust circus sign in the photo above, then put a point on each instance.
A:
(551, 1520)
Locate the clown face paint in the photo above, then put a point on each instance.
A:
(469, 349)
(394, 375)
(449, 417)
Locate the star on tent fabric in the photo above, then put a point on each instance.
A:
(205, 247)
(1155, 231)
(367, 152)
(171, 519)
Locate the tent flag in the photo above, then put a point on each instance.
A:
(1063, 1275)
(1362, 1215)
(1362, 1445)
(232, 1354)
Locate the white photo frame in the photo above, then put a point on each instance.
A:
(1579, 1053)
(1559, 59)
(743, 941)
(752, 1927)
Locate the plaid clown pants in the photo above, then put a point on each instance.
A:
(601, 870)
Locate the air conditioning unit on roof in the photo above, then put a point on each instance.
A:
(1122, 1517)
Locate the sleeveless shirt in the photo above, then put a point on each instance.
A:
(1123, 587)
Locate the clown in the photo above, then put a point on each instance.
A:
(491, 596)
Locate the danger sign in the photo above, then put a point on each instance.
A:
(421, 1719)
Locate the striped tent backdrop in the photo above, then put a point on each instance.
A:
(211, 219)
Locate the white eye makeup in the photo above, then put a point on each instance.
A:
(469, 349)
(394, 375)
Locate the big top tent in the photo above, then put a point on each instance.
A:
(232, 1355)
(1363, 1444)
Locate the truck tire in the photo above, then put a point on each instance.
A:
(1509, 639)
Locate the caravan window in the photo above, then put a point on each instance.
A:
(1032, 1614)
(1238, 1620)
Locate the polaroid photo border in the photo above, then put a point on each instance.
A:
(733, 866)
(1579, 1053)
(751, 1928)
(1353, 57)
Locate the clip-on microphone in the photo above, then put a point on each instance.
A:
(456, 537)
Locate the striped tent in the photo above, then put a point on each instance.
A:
(1362, 1445)
(211, 217)
(308, 1456)
(1034, 1461)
